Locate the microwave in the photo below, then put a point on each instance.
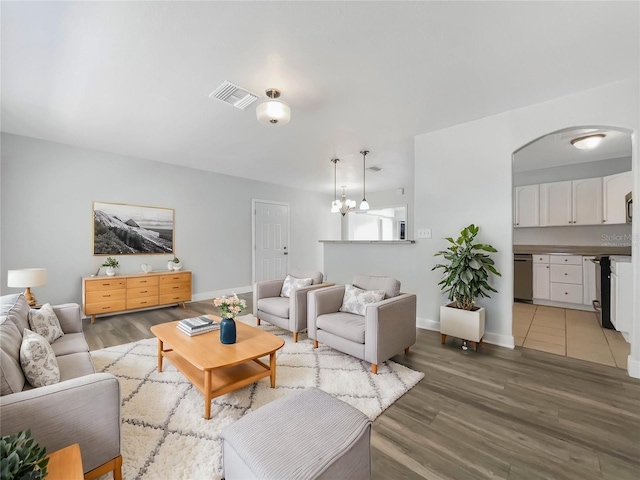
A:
(629, 206)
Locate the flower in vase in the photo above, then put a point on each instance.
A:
(229, 305)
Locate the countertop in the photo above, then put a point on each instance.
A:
(586, 250)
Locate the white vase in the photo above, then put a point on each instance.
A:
(170, 264)
(111, 271)
(177, 266)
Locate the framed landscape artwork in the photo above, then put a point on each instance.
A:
(120, 229)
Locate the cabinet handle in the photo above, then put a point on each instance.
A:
(517, 224)
(106, 308)
(105, 296)
(142, 303)
(565, 274)
(566, 293)
(547, 266)
(145, 291)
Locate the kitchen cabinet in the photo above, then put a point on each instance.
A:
(541, 281)
(575, 202)
(565, 278)
(586, 201)
(614, 189)
(621, 294)
(588, 280)
(555, 203)
(526, 206)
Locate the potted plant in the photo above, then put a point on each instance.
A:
(465, 278)
(174, 264)
(22, 458)
(111, 265)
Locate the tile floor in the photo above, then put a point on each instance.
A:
(571, 333)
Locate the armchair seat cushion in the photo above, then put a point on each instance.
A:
(278, 306)
(345, 325)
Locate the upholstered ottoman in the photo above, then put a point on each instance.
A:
(307, 436)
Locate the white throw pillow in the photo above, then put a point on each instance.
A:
(355, 299)
(37, 360)
(45, 322)
(293, 283)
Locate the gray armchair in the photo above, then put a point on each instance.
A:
(387, 328)
(288, 313)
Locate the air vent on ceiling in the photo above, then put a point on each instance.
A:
(373, 168)
(234, 95)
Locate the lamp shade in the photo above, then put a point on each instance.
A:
(273, 112)
(27, 277)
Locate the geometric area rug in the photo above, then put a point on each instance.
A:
(164, 434)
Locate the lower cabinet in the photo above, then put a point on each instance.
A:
(105, 295)
(563, 279)
(541, 281)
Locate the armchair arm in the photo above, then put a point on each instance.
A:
(298, 306)
(70, 317)
(320, 302)
(390, 327)
(84, 410)
(266, 289)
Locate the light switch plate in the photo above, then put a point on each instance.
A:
(424, 233)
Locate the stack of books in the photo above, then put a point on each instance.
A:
(197, 325)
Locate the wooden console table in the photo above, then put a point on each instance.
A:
(122, 293)
(65, 464)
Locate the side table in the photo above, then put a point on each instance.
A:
(65, 464)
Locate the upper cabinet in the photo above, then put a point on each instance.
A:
(589, 201)
(615, 188)
(526, 206)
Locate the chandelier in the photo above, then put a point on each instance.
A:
(344, 205)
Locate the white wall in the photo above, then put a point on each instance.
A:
(47, 194)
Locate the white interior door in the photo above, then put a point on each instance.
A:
(270, 240)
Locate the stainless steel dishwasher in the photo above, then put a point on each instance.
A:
(523, 277)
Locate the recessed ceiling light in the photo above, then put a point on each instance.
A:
(588, 142)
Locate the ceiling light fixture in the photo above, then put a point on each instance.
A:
(273, 112)
(588, 141)
(364, 205)
(345, 205)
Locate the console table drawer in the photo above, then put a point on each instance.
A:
(105, 296)
(175, 287)
(175, 297)
(175, 278)
(104, 307)
(141, 282)
(142, 292)
(104, 284)
(142, 302)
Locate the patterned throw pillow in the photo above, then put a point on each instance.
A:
(293, 283)
(37, 360)
(45, 322)
(355, 299)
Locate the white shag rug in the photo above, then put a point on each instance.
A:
(164, 434)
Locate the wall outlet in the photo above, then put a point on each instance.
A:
(424, 233)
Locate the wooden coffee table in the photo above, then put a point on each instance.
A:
(215, 368)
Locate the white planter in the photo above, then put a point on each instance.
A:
(464, 324)
(177, 266)
(110, 271)
(170, 264)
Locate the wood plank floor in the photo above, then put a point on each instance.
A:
(497, 413)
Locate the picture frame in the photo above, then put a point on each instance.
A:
(124, 229)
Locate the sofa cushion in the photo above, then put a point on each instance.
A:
(75, 365)
(45, 322)
(16, 308)
(355, 300)
(11, 376)
(70, 343)
(316, 277)
(278, 306)
(292, 283)
(345, 325)
(37, 360)
(391, 286)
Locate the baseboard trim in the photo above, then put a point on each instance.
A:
(633, 367)
(198, 297)
(506, 341)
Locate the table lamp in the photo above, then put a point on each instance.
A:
(27, 278)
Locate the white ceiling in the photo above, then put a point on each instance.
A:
(133, 78)
(555, 149)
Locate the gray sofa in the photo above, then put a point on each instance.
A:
(387, 328)
(288, 313)
(83, 408)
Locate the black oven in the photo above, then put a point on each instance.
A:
(602, 303)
